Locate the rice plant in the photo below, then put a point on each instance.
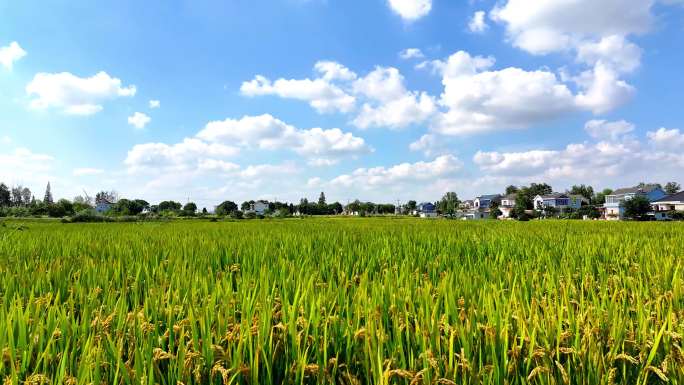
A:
(342, 301)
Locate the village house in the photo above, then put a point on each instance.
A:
(614, 209)
(507, 205)
(103, 206)
(559, 201)
(427, 210)
(258, 207)
(663, 207)
(484, 202)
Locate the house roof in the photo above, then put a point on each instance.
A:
(678, 197)
(489, 196)
(554, 195)
(511, 196)
(636, 189)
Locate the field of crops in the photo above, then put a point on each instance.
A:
(344, 301)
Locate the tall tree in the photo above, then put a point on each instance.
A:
(449, 203)
(226, 208)
(106, 197)
(511, 190)
(672, 188)
(5, 199)
(26, 195)
(637, 207)
(600, 198)
(48, 195)
(190, 208)
(585, 191)
(321, 200)
(16, 196)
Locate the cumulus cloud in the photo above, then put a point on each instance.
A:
(10, 54)
(613, 51)
(411, 10)
(154, 103)
(411, 53)
(87, 171)
(321, 94)
(477, 23)
(267, 132)
(139, 120)
(429, 145)
(602, 129)
(74, 95)
(443, 166)
(23, 166)
(665, 139)
(186, 155)
(478, 99)
(619, 160)
(546, 26)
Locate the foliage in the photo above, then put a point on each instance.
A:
(672, 188)
(226, 208)
(190, 208)
(448, 204)
(637, 207)
(585, 191)
(335, 301)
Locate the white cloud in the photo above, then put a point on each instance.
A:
(87, 171)
(390, 104)
(267, 132)
(545, 26)
(619, 161)
(268, 170)
(10, 54)
(188, 155)
(613, 51)
(665, 139)
(602, 90)
(411, 10)
(445, 165)
(429, 145)
(602, 129)
(6, 140)
(139, 120)
(74, 95)
(411, 53)
(477, 23)
(480, 100)
(22, 166)
(321, 94)
(154, 103)
(334, 71)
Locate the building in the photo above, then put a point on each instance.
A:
(484, 202)
(507, 205)
(663, 207)
(103, 206)
(427, 210)
(559, 201)
(258, 207)
(614, 209)
(467, 205)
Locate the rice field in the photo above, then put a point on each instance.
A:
(342, 301)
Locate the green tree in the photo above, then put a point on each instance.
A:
(321, 200)
(411, 205)
(672, 188)
(585, 191)
(600, 198)
(169, 206)
(449, 203)
(5, 199)
(48, 195)
(226, 208)
(637, 208)
(522, 203)
(246, 205)
(190, 208)
(511, 190)
(494, 211)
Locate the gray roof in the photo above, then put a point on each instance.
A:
(554, 195)
(490, 196)
(678, 197)
(511, 196)
(636, 189)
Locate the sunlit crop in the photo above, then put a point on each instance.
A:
(357, 301)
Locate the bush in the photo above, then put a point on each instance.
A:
(89, 216)
(250, 215)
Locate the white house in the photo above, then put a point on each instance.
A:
(485, 201)
(427, 210)
(666, 205)
(507, 205)
(615, 209)
(558, 201)
(258, 207)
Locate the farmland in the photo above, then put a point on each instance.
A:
(346, 301)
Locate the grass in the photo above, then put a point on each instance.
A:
(345, 301)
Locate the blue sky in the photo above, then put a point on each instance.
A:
(287, 98)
